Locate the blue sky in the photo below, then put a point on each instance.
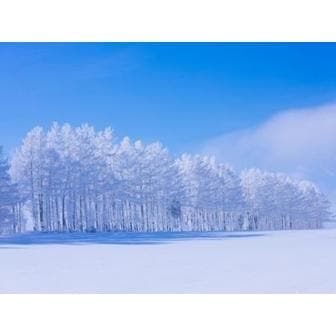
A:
(181, 94)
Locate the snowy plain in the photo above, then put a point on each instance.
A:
(248, 262)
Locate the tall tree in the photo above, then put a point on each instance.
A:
(10, 220)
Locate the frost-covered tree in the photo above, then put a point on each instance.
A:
(10, 220)
(29, 170)
(275, 201)
(214, 194)
(78, 179)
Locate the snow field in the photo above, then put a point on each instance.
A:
(265, 262)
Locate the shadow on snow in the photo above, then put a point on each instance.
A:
(117, 238)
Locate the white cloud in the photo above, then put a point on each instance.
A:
(301, 142)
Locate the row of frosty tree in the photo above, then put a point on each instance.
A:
(76, 179)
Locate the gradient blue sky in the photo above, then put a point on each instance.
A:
(180, 94)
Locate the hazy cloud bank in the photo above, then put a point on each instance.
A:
(301, 142)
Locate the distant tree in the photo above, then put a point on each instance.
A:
(277, 202)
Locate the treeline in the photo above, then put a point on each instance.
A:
(76, 179)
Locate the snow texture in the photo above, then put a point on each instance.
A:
(249, 262)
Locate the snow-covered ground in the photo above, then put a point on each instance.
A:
(266, 262)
